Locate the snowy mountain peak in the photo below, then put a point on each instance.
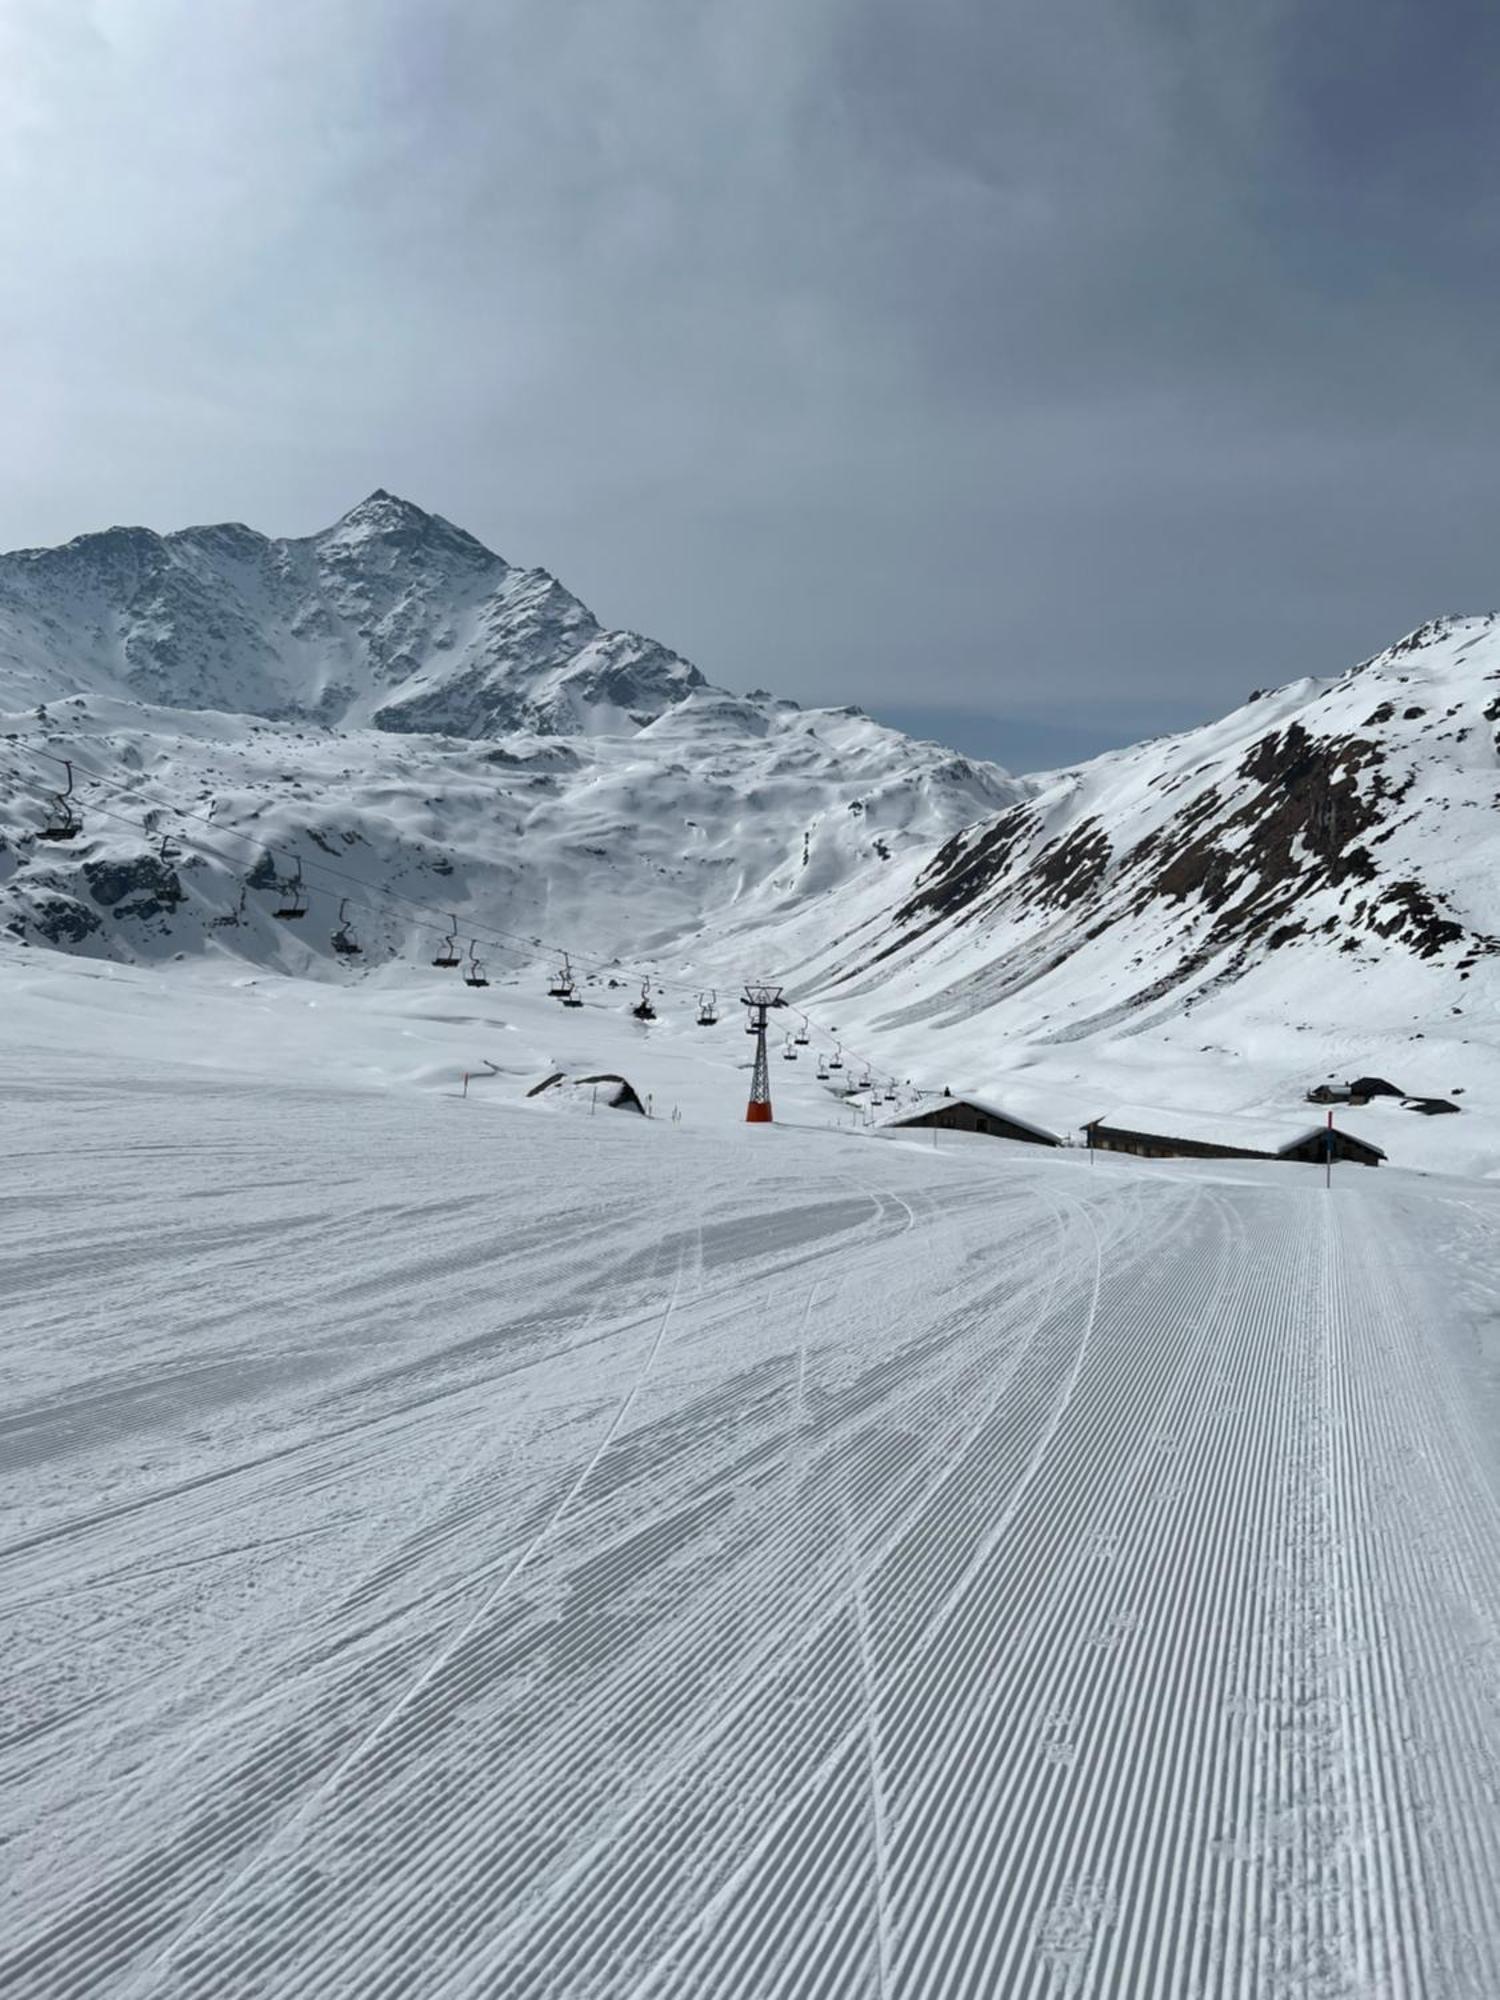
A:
(383, 515)
(393, 617)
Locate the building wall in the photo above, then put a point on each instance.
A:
(1157, 1146)
(957, 1116)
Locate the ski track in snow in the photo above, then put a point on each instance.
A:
(475, 1556)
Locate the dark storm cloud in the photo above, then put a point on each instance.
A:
(1081, 364)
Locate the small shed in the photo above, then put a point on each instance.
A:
(605, 1088)
(1317, 1145)
(969, 1113)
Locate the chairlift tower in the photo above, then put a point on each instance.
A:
(760, 999)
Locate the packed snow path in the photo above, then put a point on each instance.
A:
(455, 1552)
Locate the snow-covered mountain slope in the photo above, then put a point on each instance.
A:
(1310, 886)
(425, 729)
(393, 616)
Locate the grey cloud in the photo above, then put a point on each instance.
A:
(1060, 362)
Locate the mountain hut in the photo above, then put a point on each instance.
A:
(968, 1113)
(1188, 1139)
(1315, 1146)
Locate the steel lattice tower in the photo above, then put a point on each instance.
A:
(760, 999)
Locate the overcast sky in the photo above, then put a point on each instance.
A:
(1040, 375)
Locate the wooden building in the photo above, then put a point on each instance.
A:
(1315, 1146)
(1126, 1134)
(977, 1114)
(1358, 1091)
(1198, 1135)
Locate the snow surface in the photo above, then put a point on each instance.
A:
(457, 1546)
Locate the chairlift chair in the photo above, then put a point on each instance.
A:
(822, 1069)
(63, 822)
(446, 955)
(836, 1060)
(562, 982)
(708, 1012)
(474, 975)
(169, 850)
(344, 940)
(789, 1050)
(643, 1010)
(802, 1037)
(866, 1080)
(293, 897)
(234, 916)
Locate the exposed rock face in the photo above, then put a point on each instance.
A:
(142, 888)
(1354, 815)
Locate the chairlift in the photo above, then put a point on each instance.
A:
(447, 952)
(643, 1010)
(344, 940)
(474, 974)
(293, 897)
(63, 822)
(562, 982)
(822, 1069)
(237, 914)
(708, 1011)
(866, 1080)
(802, 1037)
(836, 1060)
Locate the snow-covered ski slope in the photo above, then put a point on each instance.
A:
(456, 1548)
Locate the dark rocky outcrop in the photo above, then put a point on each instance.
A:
(144, 888)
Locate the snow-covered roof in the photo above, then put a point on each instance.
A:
(1255, 1131)
(985, 1105)
(1317, 1131)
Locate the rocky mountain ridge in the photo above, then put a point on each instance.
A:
(393, 618)
(1304, 891)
